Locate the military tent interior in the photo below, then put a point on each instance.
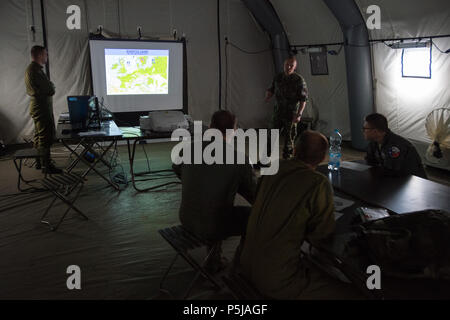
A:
(230, 52)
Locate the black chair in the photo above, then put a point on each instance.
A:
(241, 288)
(18, 158)
(62, 186)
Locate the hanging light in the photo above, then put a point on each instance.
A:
(416, 58)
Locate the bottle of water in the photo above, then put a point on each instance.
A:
(335, 150)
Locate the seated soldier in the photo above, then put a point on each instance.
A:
(396, 155)
(208, 191)
(292, 206)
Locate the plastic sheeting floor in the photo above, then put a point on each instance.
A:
(119, 251)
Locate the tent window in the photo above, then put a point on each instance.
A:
(416, 63)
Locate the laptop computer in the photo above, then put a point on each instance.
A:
(78, 112)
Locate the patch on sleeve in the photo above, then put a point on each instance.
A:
(394, 152)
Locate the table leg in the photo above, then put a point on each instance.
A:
(105, 162)
(131, 154)
(78, 156)
(87, 145)
(97, 159)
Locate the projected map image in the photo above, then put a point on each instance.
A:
(137, 71)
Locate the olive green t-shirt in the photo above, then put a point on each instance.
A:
(294, 205)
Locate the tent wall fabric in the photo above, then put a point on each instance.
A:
(248, 75)
(406, 102)
(309, 22)
(15, 19)
(245, 76)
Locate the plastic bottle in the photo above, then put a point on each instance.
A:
(335, 150)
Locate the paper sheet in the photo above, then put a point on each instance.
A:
(337, 215)
(341, 203)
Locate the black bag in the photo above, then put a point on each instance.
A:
(411, 245)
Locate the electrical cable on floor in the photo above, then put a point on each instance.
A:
(146, 157)
(121, 177)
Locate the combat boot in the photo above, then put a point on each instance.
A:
(49, 167)
(38, 164)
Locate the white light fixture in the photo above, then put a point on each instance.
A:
(410, 44)
(316, 49)
(416, 62)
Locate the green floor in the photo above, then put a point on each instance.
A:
(119, 250)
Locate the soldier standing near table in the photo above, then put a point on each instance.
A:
(41, 90)
(291, 94)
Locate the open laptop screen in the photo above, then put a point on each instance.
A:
(78, 111)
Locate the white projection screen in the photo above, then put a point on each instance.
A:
(136, 76)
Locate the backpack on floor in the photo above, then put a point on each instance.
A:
(411, 245)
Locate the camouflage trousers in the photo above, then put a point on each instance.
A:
(288, 133)
(44, 133)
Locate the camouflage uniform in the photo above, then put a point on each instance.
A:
(290, 91)
(41, 90)
(396, 155)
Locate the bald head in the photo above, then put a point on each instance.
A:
(311, 148)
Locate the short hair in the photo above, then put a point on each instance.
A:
(377, 121)
(291, 56)
(223, 120)
(311, 147)
(36, 51)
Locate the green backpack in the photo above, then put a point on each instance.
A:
(411, 245)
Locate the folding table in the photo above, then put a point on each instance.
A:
(108, 134)
(134, 135)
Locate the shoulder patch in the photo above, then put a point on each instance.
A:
(394, 152)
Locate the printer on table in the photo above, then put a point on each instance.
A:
(163, 122)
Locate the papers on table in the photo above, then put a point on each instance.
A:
(354, 166)
(64, 116)
(341, 203)
(368, 214)
(131, 131)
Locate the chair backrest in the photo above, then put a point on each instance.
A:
(241, 288)
(181, 239)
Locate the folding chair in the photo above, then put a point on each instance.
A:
(184, 241)
(18, 158)
(62, 185)
(330, 263)
(241, 288)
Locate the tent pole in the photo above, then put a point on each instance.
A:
(44, 37)
(358, 65)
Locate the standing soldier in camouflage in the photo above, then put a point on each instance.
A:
(291, 94)
(41, 90)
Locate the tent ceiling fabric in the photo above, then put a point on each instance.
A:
(409, 18)
(308, 21)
